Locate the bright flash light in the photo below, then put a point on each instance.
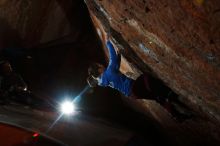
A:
(67, 107)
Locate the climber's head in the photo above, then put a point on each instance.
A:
(95, 71)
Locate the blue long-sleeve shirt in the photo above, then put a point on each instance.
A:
(112, 77)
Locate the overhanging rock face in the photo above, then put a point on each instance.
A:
(30, 22)
(177, 40)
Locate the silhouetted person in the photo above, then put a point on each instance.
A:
(10, 82)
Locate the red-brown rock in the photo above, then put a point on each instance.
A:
(177, 41)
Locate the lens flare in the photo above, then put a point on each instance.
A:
(67, 107)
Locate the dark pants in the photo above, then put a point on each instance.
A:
(148, 87)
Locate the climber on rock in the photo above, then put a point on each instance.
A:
(112, 77)
(142, 88)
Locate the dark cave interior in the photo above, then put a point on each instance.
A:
(51, 45)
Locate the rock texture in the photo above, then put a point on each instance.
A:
(30, 22)
(57, 34)
(76, 130)
(178, 42)
(175, 40)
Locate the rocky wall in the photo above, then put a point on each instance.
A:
(178, 41)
